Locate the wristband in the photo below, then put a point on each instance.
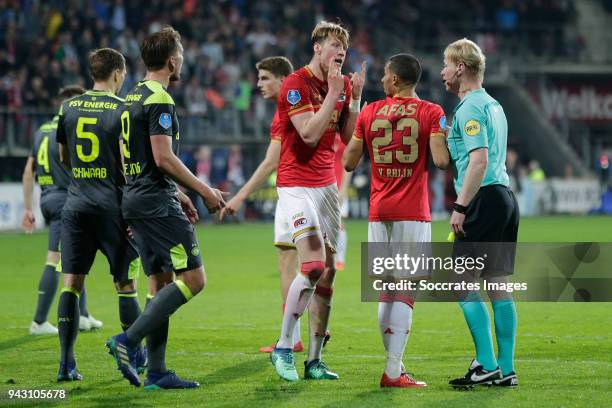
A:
(461, 209)
(355, 105)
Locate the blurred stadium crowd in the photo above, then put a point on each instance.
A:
(45, 43)
(45, 46)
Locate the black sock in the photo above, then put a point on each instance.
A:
(129, 310)
(164, 304)
(47, 286)
(83, 303)
(156, 346)
(68, 324)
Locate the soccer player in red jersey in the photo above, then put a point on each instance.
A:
(399, 132)
(271, 72)
(315, 102)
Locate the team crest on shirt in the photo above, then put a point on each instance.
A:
(342, 97)
(293, 96)
(442, 123)
(165, 120)
(472, 127)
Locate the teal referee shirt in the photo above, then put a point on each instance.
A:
(479, 121)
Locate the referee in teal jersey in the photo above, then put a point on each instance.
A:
(485, 211)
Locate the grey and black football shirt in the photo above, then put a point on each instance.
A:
(149, 192)
(90, 125)
(51, 174)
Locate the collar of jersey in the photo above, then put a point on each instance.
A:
(403, 98)
(468, 96)
(156, 83)
(312, 75)
(99, 93)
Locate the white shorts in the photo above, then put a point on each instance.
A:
(400, 235)
(399, 231)
(282, 232)
(307, 211)
(344, 209)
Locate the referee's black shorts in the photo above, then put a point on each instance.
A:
(491, 228)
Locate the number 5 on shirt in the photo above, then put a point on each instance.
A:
(82, 134)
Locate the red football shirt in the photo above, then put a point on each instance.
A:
(396, 132)
(301, 165)
(275, 129)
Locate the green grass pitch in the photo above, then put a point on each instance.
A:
(564, 350)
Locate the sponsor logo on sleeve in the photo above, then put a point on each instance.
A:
(299, 222)
(472, 127)
(293, 96)
(165, 120)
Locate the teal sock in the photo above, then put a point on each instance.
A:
(505, 332)
(477, 318)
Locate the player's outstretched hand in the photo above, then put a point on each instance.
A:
(29, 222)
(231, 207)
(335, 81)
(214, 200)
(357, 82)
(188, 208)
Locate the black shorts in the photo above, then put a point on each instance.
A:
(83, 234)
(166, 244)
(51, 206)
(491, 228)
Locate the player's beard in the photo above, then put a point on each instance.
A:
(175, 75)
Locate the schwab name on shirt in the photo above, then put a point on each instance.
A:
(89, 172)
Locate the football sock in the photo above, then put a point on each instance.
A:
(318, 319)
(504, 312)
(159, 309)
(129, 310)
(296, 330)
(47, 286)
(478, 320)
(68, 323)
(156, 345)
(384, 313)
(299, 295)
(297, 336)
(342, 245)
(400, 321)
(83, 302)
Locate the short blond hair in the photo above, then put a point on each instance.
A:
(468, 53)
(325, 29)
